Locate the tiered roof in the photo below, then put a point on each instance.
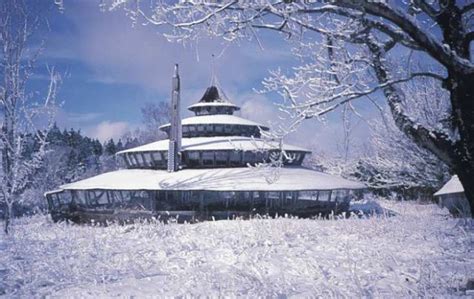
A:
(213, 98)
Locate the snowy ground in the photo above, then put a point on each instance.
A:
(419, 252)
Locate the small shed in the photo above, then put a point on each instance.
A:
(452, 197)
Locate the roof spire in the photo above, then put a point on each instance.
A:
(213, 71)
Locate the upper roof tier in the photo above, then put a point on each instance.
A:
(218, 125)
(213, 102)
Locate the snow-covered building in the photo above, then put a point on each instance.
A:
(452, 197)
(202, 171)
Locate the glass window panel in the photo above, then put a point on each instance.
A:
(200, 128)
(192, 128)
(305, 195)
(101, 197)
(132, 160)
(235, 156)
(324, 195)
(80, 197)
(221, 157)
(193, 155)
(185, 129)
(139, 158)
(126, 160)
(219, 128)
(249, 157)
(157, 156)
(273, 195)
(208, 158)
(148, 159)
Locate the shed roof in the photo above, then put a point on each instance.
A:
(452, 186)
(215, 143)
(215, 179)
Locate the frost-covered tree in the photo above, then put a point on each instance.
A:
(20, 111)
(396, 160)
(350, 49)
(153, 116)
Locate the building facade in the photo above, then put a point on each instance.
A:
(207, 169)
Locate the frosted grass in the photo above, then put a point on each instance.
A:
(421, 251)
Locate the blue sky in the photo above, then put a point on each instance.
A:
(111, 69)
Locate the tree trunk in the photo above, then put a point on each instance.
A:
(462, 101)
(8, 216)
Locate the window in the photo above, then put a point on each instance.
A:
(148, 159)
(132, 159)
(259, 157)
(219, 128)
(340, 195)
(208, 158)
(324, 195)
(249, 157)
(157, 157)
(193, 158)
(185, 129)
(228, 128)
(64, 198)
(139, 158)
(221, 157)
(308, 195)
(273, 195)
(101, 197)
(235, 157)
(191, 128)
(295, 157)
(193, 155)
(200, 128)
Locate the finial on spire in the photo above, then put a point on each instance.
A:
(176, 74)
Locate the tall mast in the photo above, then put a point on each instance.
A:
(175, 130)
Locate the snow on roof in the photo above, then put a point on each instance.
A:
(452, 186)
(215, 143)
(209, 104)
(215, 179)
(218, 119)
(52, 192)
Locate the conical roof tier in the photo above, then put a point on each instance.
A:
(213, 101)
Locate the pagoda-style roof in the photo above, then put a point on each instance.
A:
(215, 179)
(212, 95)
(214, 102)
(216, 143)
(221, 119)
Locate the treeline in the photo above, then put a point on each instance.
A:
(69, 156)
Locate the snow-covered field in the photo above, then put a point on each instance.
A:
(419, 252)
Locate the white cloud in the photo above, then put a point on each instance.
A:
(107, 129)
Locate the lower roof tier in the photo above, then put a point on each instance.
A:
(216, 179)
